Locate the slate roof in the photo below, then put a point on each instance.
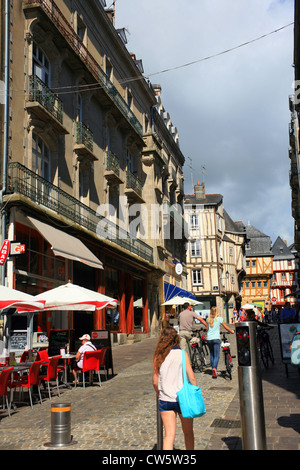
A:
(281, 251)
(231, 226)
(210, 199)
(260, 244)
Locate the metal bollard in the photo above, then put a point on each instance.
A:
(250, 388)
(60, 425)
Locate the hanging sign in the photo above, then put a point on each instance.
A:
(17, 248)
(4, 252)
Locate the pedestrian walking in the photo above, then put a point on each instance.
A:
(167, 381)
(186, 319)
(214, 338)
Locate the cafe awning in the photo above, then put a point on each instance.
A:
(171, 291)
(66, 245)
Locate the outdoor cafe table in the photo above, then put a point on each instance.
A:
(65, 358)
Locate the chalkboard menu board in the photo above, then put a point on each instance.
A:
(18, 340)
(59, 339)
(101, 339)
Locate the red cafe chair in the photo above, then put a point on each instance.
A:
(27, 381)
(25, 356)
(4, 379)
(42, 356)
(52, 373)
(91, 362)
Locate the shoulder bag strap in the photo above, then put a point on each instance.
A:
(183, 366)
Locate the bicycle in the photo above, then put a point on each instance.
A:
(264, 345)
(204, 341)
(198, 360)
(225, 345)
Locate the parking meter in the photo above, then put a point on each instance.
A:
(250, 387)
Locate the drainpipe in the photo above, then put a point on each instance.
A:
(5, 123)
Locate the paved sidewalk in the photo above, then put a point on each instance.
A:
(121, 415)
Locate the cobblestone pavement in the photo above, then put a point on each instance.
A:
(121, 415)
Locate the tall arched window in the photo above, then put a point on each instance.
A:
(41, 157)
(41, 65)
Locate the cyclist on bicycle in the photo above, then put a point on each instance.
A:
(186, 318)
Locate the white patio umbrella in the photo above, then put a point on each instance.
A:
(177, 300)
(21, 301)
(247, 306)
(72, 297)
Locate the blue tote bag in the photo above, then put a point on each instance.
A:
(190, 397)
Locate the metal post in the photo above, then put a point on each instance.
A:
(159, 428)
(250, 388)
(60, 425)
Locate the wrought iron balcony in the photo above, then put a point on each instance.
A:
(113, 163)
(67, 31)
(134, 183)
(133, 188)
(40, 93)
(84, 136)
(119, 101)
(112, 169)
(23, 181)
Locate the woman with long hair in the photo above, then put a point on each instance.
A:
(167, 381)
(214, 338)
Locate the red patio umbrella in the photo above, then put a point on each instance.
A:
(72, 297)
(22, 302)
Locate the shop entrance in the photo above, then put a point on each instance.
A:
(138, 289)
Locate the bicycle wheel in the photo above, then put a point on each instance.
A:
(228, 364)
(264, 355)
(197, 360)
(202, 356)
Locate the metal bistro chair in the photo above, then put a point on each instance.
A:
(42, 355)
(52, 373)
(4, 379)
(92, 361)
(29, 380)
(25, 356)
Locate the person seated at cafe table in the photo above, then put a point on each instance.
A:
(86, 346)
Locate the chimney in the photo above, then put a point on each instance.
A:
(200, 190)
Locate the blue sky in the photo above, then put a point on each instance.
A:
(231, 111)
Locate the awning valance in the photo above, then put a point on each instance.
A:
(66, 245)
(171, 291)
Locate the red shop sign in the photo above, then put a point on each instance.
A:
(4, 252)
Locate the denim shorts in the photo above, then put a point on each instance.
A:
(168, 406)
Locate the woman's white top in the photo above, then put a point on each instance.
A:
(170, 379)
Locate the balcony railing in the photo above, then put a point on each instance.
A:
(119, 101)
(40, 93)
(132, 182)
(84, 136)
(65, 28)
(112, 163)
(23, 181)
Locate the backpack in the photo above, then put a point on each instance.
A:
(295, 351)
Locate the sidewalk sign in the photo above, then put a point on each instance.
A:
(101, 339)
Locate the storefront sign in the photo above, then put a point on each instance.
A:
(4, 252)
(17, 248)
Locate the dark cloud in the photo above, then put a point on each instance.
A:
(231, 111)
